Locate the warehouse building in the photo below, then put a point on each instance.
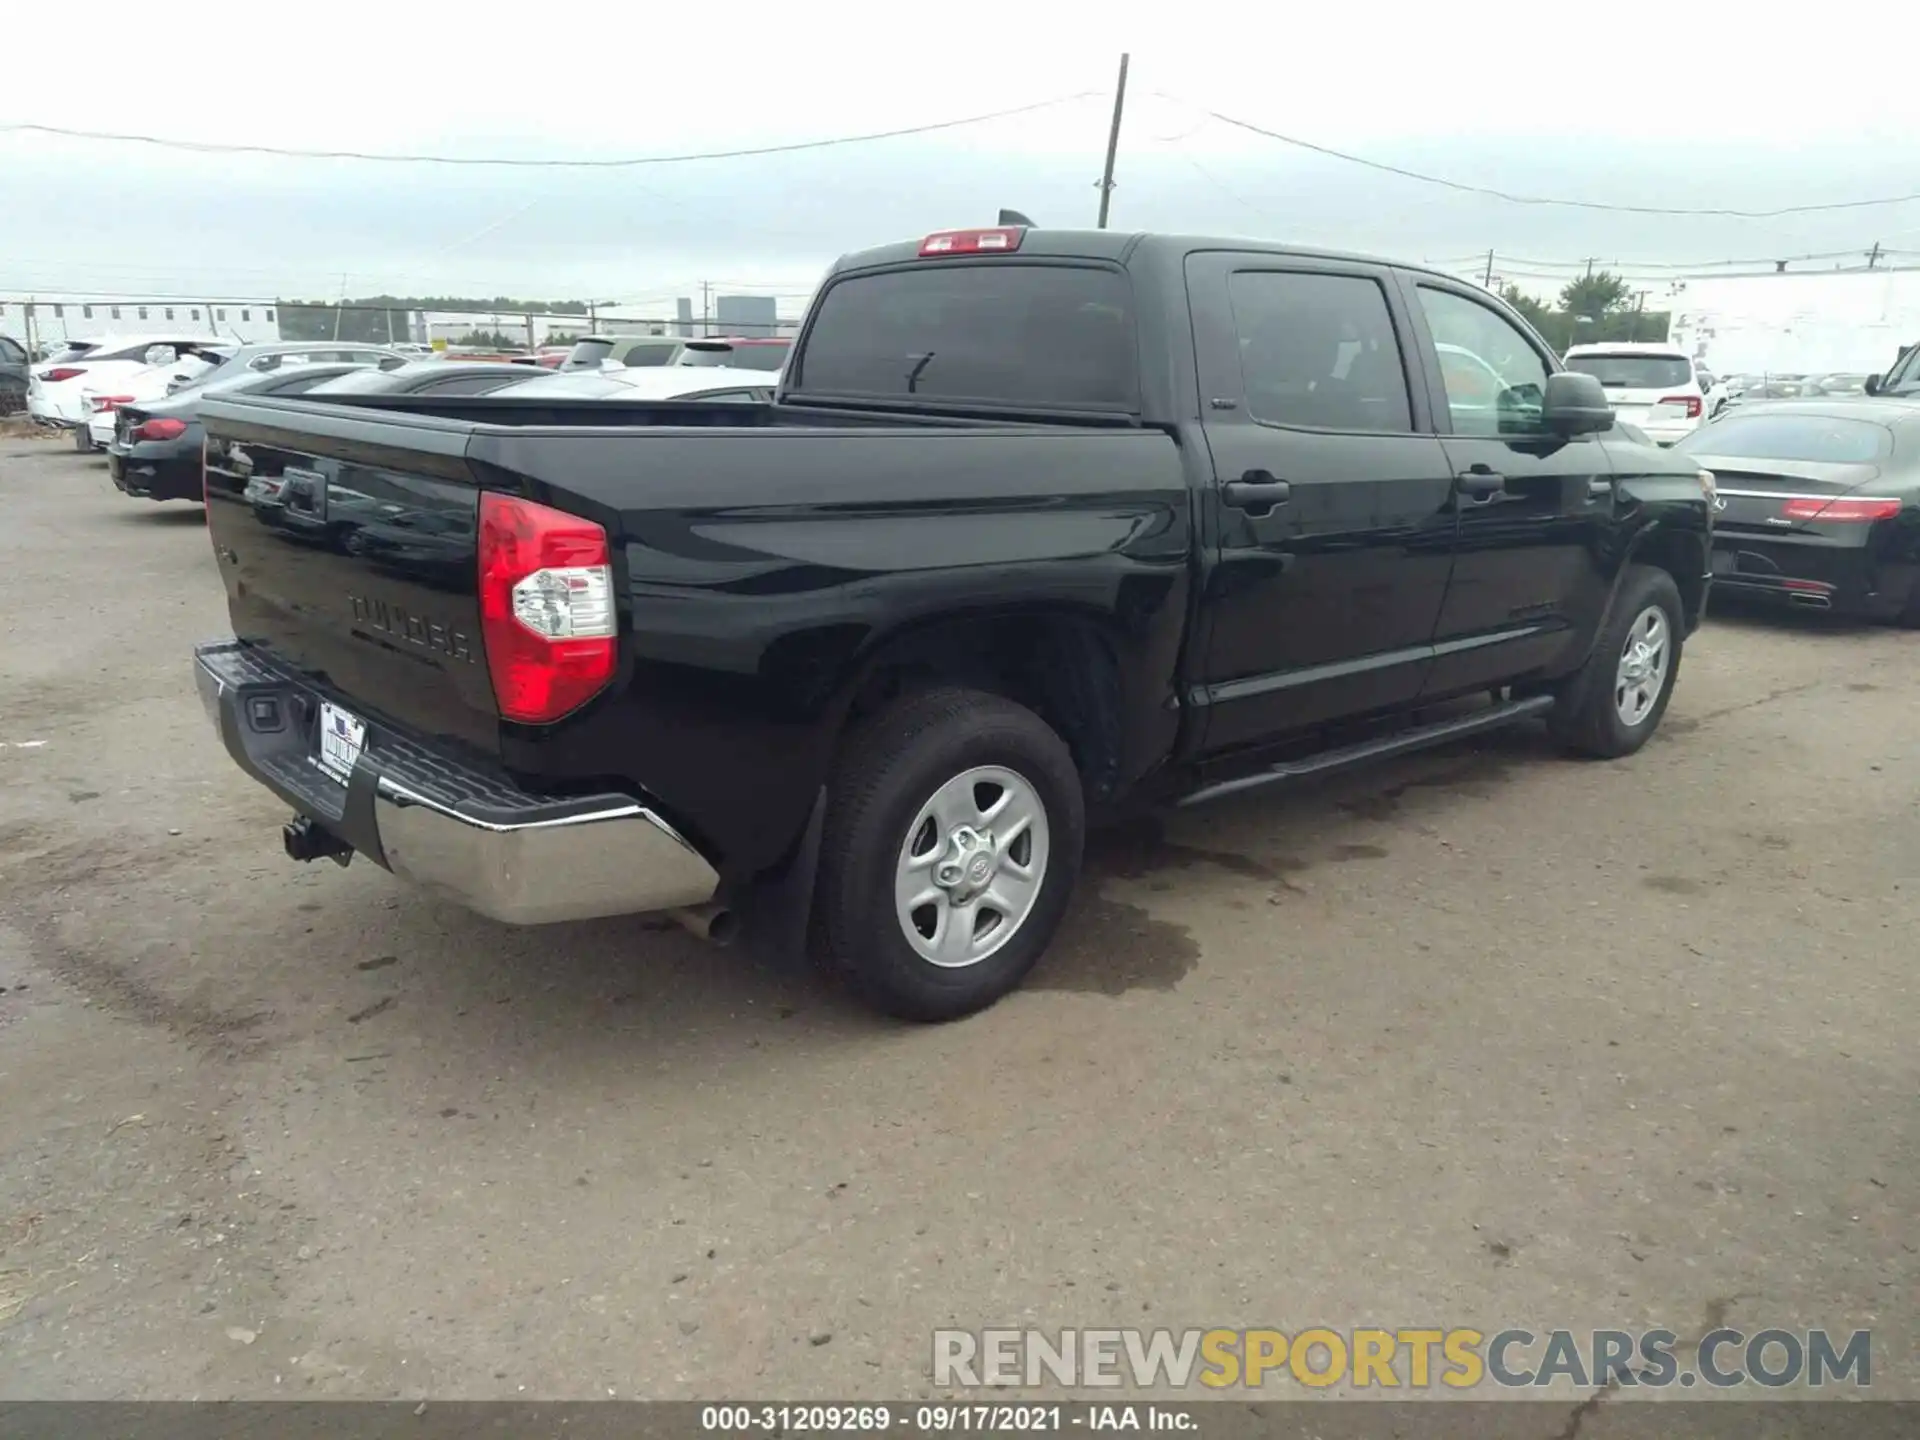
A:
(1784, 323)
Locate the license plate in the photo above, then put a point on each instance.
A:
(1725, 562)
(342, 737)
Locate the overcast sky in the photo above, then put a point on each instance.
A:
(1552, 100)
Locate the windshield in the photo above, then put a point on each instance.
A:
(1905, 374)
(1821, 439)
(1025, 336)
(370, 381)
(1634, 372)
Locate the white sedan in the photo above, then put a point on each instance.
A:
(54, 388)
(155, 382)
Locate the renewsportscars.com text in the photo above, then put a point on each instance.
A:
(1417, 1359)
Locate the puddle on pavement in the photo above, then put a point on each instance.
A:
(1108, 947)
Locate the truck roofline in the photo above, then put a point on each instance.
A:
(1116, 247)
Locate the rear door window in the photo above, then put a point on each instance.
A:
(1022, 336)
(1319, 351)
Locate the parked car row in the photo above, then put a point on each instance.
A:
(154, 444)
(1745, 388)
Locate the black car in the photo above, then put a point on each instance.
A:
(155, 454)
(13, 376)
(1818, 503)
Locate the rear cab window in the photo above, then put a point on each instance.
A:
(993, 334)
(1634, 372)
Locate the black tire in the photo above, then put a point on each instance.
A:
(890, 767)
(1586, 719)
(1909, 616)
(83, 439)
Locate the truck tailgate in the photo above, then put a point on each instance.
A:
(348, 545)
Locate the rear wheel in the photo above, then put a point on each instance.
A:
(953, 840)
(83, 438)
(1614, 704)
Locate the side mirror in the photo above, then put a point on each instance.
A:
(1575, 404)
(1873, 385)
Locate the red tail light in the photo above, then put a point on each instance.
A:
(972, 242)
(1692, 402)
(1862, 511)
(63, 372)
(164, 429)
(546, 607)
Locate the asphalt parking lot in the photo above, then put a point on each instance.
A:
(1483, 1038)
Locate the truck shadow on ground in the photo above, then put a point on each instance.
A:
(165, 515)
(1755, 615)
(355, 964)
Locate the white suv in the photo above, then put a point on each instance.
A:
(1655, 387)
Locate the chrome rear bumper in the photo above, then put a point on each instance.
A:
(445, 823)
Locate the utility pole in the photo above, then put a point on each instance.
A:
(1113, 140)
(1633, 325)
(706, 309)
(1487, 283)
(340, 309)
(1873, 256)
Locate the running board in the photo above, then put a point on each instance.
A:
(1493, 718)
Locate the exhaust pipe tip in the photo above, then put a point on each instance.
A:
(1807, 600)
(714, 923)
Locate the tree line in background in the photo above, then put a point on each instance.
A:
(1595, 308)
(378, 319)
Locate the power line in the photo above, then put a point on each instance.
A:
(1520, 199)
(211, 147)
(1686, 266)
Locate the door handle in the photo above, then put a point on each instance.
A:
(1256, 492)
(1479, 484)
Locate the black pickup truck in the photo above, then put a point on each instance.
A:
(1041, 526)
